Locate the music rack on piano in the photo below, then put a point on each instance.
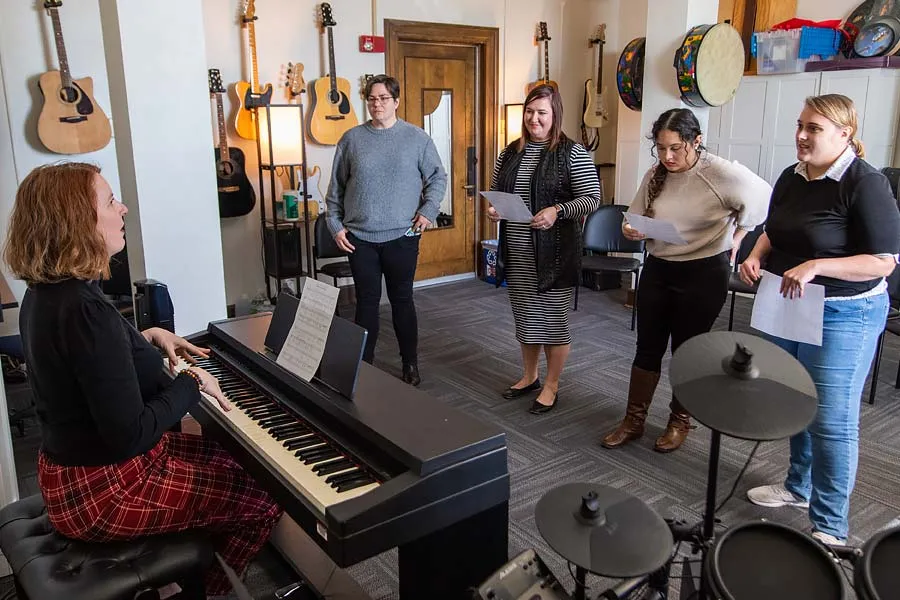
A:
(392, 468)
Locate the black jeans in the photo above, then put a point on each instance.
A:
(677, 300)
(396, 260)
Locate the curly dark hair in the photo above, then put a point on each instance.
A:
(683, 122)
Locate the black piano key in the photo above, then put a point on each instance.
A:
(296, 427)
(353, 484)
(305, 442)
(318, 452)
(334, 466)
(287, 438)
(252, 401)
(339, 478)
(264, 411)
(290, 434)
(274, 421)
(324, 455)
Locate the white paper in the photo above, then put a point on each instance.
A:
(655, 229)
(797, 319)
(510, 206)
(305, 343)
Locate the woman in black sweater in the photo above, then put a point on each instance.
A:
(109, 466)
(833, 221)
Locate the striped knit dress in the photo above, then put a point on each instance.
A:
(543, 318)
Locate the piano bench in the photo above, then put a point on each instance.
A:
(48, 566)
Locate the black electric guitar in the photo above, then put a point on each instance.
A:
(236, 195)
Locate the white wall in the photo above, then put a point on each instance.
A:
(821, 10)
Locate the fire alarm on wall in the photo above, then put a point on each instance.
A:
(371, 43)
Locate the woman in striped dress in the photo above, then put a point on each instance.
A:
(541, 259)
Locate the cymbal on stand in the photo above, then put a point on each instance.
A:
(743, 386)
(603, 530)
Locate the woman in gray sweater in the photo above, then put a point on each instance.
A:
(386, 188)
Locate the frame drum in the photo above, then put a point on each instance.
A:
(877, 573)
(630, 74)
(757, 560)
(710, 64)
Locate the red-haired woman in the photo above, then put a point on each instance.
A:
(109, 468)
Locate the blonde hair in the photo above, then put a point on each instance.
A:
(53, 226)
(841, 111)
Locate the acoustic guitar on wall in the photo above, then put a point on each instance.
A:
(71, 121)
(596, 114)
(331, 113)
(236, 195)
(245, 121)
(545, 80)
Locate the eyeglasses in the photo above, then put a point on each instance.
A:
(379, 99)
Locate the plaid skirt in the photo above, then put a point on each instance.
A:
(184, 482)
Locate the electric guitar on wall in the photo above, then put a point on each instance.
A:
(245, 121)
(595, 111)
(71, 121)
(331, 113)
(236, 195)
(545, 80)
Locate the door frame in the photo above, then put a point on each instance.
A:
(486, 41)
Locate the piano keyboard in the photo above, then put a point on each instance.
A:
(320, 469)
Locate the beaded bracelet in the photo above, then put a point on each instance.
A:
(195, 377)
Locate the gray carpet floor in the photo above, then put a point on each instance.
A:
(468, 355)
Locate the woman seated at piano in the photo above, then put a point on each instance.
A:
(109, 467)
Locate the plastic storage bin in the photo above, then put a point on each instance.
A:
(489, 258)
(778, 52)
(788, 50)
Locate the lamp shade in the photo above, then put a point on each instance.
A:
(513, 118)
(287, 133)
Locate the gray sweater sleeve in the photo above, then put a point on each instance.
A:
(334, 198)
(434, 181)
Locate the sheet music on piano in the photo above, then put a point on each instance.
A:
(305, 344)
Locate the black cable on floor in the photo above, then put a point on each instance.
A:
(738, 479)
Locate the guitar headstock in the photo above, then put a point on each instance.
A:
(542, 32)
(215, 82)
(327, 18)
(295, 82)
(48, 4)
(249, 10)
(599, 36)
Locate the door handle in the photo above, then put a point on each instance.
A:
(469, 187)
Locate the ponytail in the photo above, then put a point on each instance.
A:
(858, 147)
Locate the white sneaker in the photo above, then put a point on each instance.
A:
(828, 539)
(774, 496)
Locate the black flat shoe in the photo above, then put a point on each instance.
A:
(511, 393)
(411, 374)
(538, 409)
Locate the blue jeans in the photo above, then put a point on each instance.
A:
(825, 455)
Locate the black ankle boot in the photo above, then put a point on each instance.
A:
(411, 374)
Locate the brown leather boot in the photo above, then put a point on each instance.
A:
(640, 395)
(677, 429)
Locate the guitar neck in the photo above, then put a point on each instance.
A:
(65, 76)
(600, 68)
(220, 120)
(546, 61)
(254, 68)
(331, 69)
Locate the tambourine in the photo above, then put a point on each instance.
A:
(710, 64)
(630, 73)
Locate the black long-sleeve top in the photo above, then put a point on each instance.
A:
(99, 387)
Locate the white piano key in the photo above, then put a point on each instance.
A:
(310, 484)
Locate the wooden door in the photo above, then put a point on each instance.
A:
(437, 93)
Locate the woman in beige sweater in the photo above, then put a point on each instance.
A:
(713, 203)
